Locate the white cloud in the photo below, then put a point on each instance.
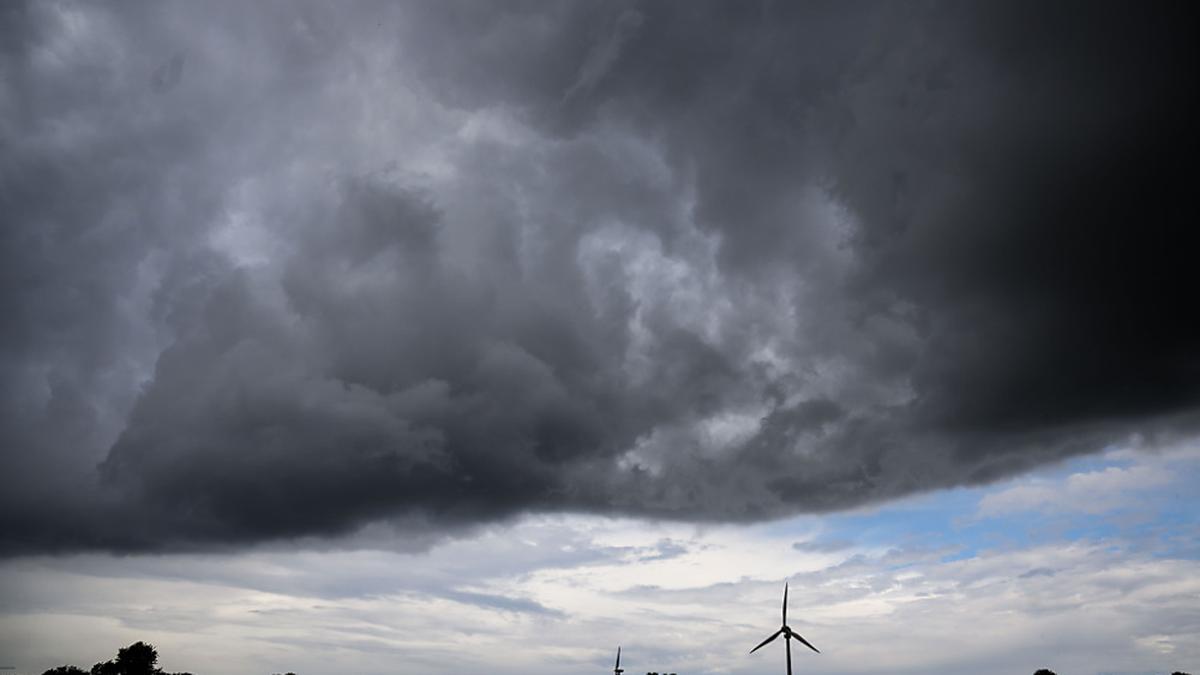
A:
(556, 594)
(1096, 491)
(678, 597)
(1092, 492)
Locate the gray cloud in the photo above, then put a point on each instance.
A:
(281, 271)
(603, 55)
(502, 603)
(822, 546)
(1037, 572)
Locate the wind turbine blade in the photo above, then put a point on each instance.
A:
(806, 642)
(766, 642)
(789, 654)
(618, 665)
(785, 603)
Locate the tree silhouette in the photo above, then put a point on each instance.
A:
(1045, 671)
(138, 658)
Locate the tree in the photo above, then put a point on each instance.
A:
(138, 658)
(1045, 671)
(105, 668)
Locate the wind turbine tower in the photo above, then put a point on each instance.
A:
(787, 634)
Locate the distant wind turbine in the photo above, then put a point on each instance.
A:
(787, 634)
(617, 669)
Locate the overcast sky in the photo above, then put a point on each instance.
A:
(356, 337)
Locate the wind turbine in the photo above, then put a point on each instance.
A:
(617, 669)
(787, 634)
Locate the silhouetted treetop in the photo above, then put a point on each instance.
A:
(1045, 671)
(138, 658)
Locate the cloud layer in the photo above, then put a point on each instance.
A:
(879, 589)
(278, 271)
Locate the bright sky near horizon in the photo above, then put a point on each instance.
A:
(1089, 568)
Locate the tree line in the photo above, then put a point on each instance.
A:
(141, 658)
(1047, 671)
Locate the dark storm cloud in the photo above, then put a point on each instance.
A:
(283, 270)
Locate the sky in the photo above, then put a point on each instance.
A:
(460, 337)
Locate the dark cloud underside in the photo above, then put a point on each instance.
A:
(284, 269)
